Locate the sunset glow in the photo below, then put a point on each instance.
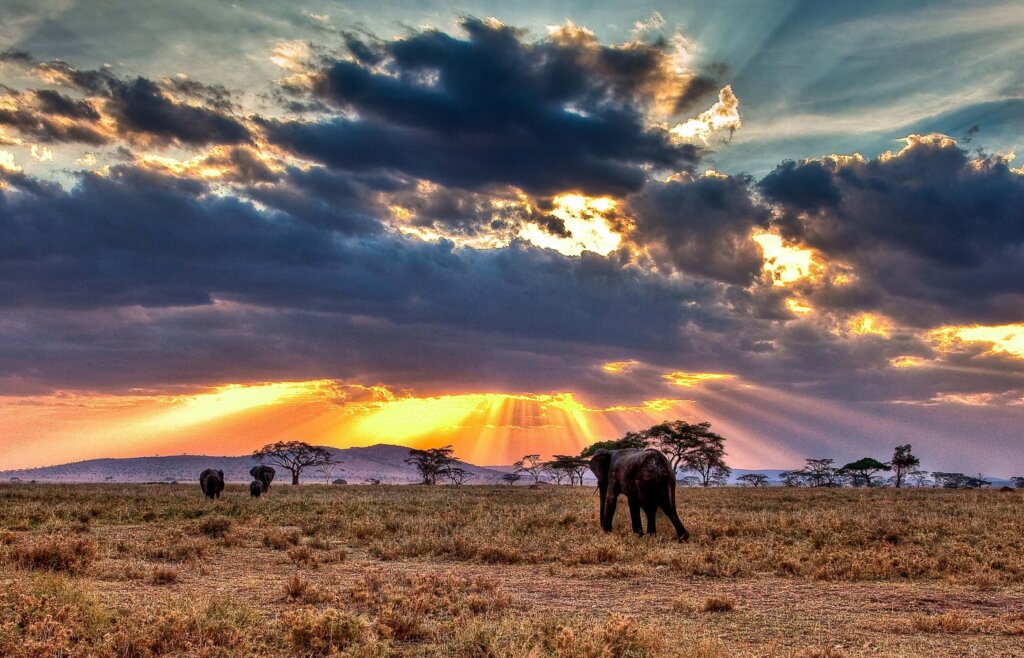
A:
(510, 230)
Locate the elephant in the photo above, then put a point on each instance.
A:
(211, 482)
(264, 475)
(647, 479)
(255, 488)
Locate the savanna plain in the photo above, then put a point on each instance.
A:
(481, 571)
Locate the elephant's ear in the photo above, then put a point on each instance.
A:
(252, 471)
(221, 473)
(600, 464)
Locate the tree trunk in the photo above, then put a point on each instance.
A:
(295, 477)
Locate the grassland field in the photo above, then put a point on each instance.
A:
(494, 571)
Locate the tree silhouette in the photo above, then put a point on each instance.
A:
(754, 479)
(636, 440)
(562, 466)
(293, 456)
(1018, 481)
(457, 475)
(864, 469)
(511, 478)
(431, 463)
(821, 473)
(532, 466)
(793, 478)
(903, 462)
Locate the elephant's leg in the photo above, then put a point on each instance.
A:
(670, 511)
(651, 510)
(609, 511)
(634, 515)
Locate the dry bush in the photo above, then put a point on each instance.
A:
(280, 540)
(955, 622)
(163, 575)
(302, 556)
(821, 652)
(177, 549)
(327, 632)
(718, 604)
(215, 526)
(49, 616)
(54, 553)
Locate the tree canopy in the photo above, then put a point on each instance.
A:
(903, 463)
(864, 469)
(293, 456)
(431, 462)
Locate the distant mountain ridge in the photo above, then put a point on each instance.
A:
(382, 462)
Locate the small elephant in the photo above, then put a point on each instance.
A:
(264, 475)
(647, 479)
(255, 489)
(211, 482)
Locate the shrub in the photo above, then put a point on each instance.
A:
(164, 575)
(718, 604)
(215, 525)
(53, 553)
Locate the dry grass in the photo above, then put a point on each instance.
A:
(477, 572)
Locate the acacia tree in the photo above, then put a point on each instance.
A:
(293, 456)
(432, 462)
(754, 479)
(1018, 481)
(821, 473)
(532, 466)
(637, 440)
(865, 469)
(793, 478)
(567, 466)
(920, 478)
(692, 447)
(903, 462)
(511, 478)
(328, 469)
(457, 475)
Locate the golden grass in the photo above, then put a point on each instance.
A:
(477, 572)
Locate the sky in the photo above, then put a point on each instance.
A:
(512, 227)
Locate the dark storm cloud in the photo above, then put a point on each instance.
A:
(48, 116)
(561, 114)
(137, 239)
(701, 226)
(933, 236)
(139, 106)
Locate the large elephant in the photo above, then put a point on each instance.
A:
(211, 482)
(264, 475)
(647, 479)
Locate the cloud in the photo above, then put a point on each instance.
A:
(177, 111)
(931, 234)
(209, 287)
(564, 113)
(701, 226)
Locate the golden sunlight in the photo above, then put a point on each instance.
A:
(869, 324)
(587, 222)
(691, 379)
(907, 362)
(723, 115)
(616, 367)
(484, 428)
(1002, 339)
(786, 263)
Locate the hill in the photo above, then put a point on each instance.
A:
(383, 462)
